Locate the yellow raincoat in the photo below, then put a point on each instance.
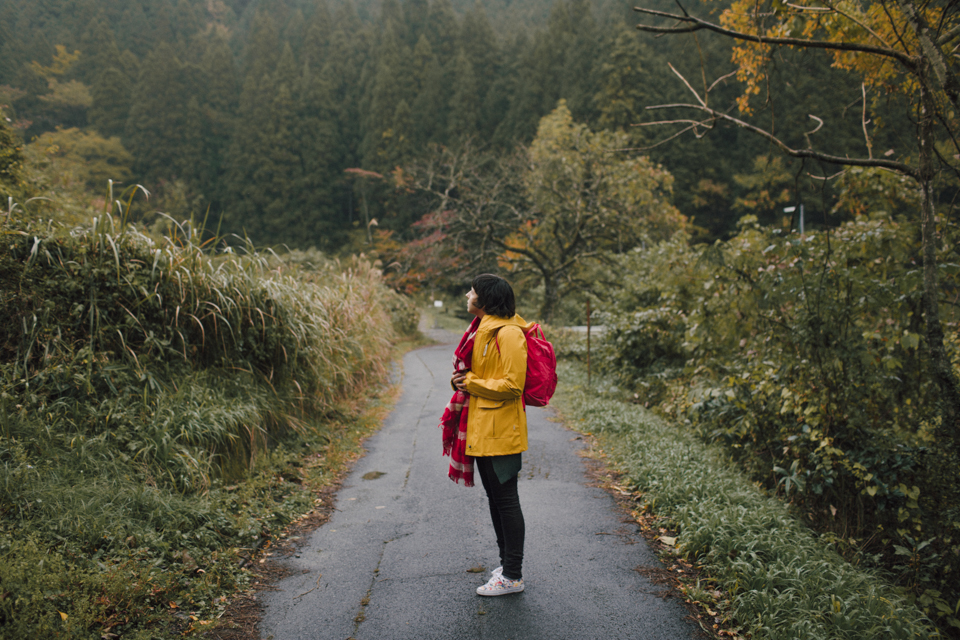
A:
(497, 420)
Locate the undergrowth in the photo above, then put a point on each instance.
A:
(783, 581)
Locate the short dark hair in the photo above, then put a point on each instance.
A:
(494, 295)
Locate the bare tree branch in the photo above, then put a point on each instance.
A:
(696, 24)
(796, 153)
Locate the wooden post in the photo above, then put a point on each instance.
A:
(588, 342)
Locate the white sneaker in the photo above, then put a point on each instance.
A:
(498, 585)
(496, 571)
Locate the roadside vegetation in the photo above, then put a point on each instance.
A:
(803, 359)
(763, 573)
(168, 405)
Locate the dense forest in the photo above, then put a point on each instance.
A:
(288, 119)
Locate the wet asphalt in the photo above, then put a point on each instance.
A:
(393, 561)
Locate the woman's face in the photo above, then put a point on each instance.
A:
(472, 307)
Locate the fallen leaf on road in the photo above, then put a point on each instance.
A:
(476, 569)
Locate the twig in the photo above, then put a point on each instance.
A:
(863, 120)
(320, 575)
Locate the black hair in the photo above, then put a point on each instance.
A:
(494, 295)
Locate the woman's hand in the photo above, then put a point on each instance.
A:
(457, 380)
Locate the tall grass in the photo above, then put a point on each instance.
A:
(112, 318)
(786, 583)
(154, 392)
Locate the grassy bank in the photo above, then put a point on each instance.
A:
(782, 581)
(167, 407)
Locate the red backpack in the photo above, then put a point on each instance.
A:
(541, 368)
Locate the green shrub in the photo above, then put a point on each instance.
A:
(805, 357)
(784, 582)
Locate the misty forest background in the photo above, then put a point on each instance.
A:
(261, 114)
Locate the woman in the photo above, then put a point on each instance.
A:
(490, 367)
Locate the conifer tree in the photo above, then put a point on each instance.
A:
(185, 21)
(294, 30)
(265, 160)
(464, 120)
(321, 155)
(219, 99)
(161, 21)
(155, 128)
(582, 39)
(392, 83)
(415, 15)
(100, 51)
(11, 50)
(479, 45)
(135, 30)
(263, 47)
(111, 102)
(196, 171)
(442, 30)
(528, 94)
(347, 55)
(316, 41)
(627, 83)
(430, 107)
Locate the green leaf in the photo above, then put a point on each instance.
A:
(910, 340)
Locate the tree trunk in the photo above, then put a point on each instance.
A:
(551, 297)
(942, 368)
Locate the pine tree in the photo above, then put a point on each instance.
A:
(161, 21)
(415, 16)
(463, 123)
(294, 30)
(99, 48)
(442, 31)
(197, 171)
(111, 91)
(392, 83)
(430, 107)
(263, 47)
(579, 81)
(110, 86)
(321, 155)
(185, 21)
(11, 49)
(626, 83)
(347, 55)
(219, 100)
(155, 128)
(527, 89)
(135, 31)
(316, 40)
(479, 44)
(265, 160)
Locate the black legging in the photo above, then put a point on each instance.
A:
(507, 517)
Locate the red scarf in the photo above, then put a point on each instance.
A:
(454, 420)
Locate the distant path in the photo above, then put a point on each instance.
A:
(391, 563)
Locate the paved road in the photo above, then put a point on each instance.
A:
(392, 563)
